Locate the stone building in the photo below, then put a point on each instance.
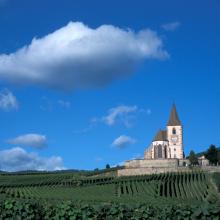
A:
(165, 153)
(168, 143)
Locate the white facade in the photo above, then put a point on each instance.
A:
(175, 141)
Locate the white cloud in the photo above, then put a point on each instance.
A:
(49, 105)
(123, 141)
(171, 26)
(30, 140)
(77, 56)
(7, 100)
(17, 159)
(64, 104)
(121, 113)
(122, 163)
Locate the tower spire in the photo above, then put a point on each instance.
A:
(174, 118)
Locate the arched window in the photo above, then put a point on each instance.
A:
(160, 151)
(165, 152)
(174, 131)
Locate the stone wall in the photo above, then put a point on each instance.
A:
(184, 162)
(135, 171)
(147, 170)
(203, 162)
(154, 163)
(211, 168)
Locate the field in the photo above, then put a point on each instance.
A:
(73, 191)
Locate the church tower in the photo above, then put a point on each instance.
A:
(175, 135)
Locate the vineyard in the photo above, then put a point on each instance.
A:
(53, 189)
(180, 186)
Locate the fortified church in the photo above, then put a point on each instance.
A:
(165, 153)
(168, 143)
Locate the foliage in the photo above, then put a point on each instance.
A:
(216, 177)
(212, 155)
(107, 166)
(188, 186)
(67, 196)
(193, 158)
(11, 209)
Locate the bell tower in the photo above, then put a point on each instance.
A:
(175, 135)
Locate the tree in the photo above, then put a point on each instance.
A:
(212, 155)
(107, 166)
(193, 158)
(218, 156)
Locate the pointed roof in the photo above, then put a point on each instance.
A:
(174, 118)
(161, 136)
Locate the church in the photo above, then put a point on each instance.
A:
(168, 143)
(165, 153)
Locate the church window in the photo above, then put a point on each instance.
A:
(165, 152)
(174, 131)
(160, 155)
(174, 149)
(158, 151)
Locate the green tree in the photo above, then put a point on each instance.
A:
(107, 166)
(218, 156)
(193, 158)
(212, 155)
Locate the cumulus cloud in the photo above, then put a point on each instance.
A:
(171, 26)
(30, 140)
(121, 113)
(64, 104)
(123, 141)
(7, 100)
(49, 105)
(77, 56)
(17, 159)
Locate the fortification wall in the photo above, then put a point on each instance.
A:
(154, 163)
(211, 168)
(135, 171)
(147, 170)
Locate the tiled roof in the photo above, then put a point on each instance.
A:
(161, 136)
(174, 118)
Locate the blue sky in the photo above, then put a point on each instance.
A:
(99, 79)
